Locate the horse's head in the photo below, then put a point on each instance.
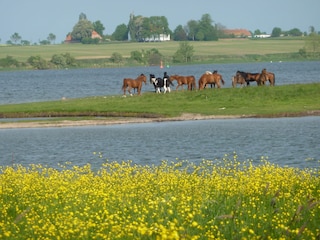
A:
(152, 78)
(201, 81)
(143, 78)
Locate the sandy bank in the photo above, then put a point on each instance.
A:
(111, 121)
(126, 120)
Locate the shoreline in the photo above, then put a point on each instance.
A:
(111, 121)
(130, 120)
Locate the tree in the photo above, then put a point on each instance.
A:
(313, 42)
(184, 53)
(82, 16)
(294, 32)
(9, 62)
(15, 38)
(63, 60)
(51, 37)
(98, 27)
(83, 29)
(257, 32)
(135, 27)
(158, 25)
(44, 42)
(153, 57)
(312, 29)
(116, 58)
(276, 32)
(37, 62)
(209, 31)
(137, 56)
(141, 28)
(58, 60)
(179, 34)
(191, 29)
(121, 33)
(200, 36)
(25, 42)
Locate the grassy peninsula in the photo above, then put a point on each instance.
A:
(266, 101)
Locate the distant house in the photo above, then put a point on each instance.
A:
(68, 39)
(239, 33)
(94, 35)
(158, 38)
(262, 36)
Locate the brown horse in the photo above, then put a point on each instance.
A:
(133, 83)
(184, 80)
(253, 77)
(238, 79)
(213, 78)
(271, 78)
(266, 76)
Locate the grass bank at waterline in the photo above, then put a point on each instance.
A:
(284, 100)
(179, 200)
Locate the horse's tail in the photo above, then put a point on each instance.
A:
(200, 83)
(193, 84)
(222, 81)
(124, 85)
(274, 79)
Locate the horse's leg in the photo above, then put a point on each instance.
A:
(165, 88)
(129, 90)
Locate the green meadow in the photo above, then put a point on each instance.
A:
(223, 47)
(266, 101)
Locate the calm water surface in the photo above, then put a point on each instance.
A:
(32, 86)
(285, 141)
(291, 142)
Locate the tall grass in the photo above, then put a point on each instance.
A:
(222, 199)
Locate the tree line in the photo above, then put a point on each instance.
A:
(140, 28)
(61, 61)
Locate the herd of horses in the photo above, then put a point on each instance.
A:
(214, 79)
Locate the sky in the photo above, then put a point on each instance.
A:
(34, 20)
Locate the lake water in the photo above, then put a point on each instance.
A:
(33, 86)
(291, 142)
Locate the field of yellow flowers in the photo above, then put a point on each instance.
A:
(224, 199)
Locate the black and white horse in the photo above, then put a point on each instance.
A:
(159, 83)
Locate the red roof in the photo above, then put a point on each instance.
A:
(94, 34)
(237, 32)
